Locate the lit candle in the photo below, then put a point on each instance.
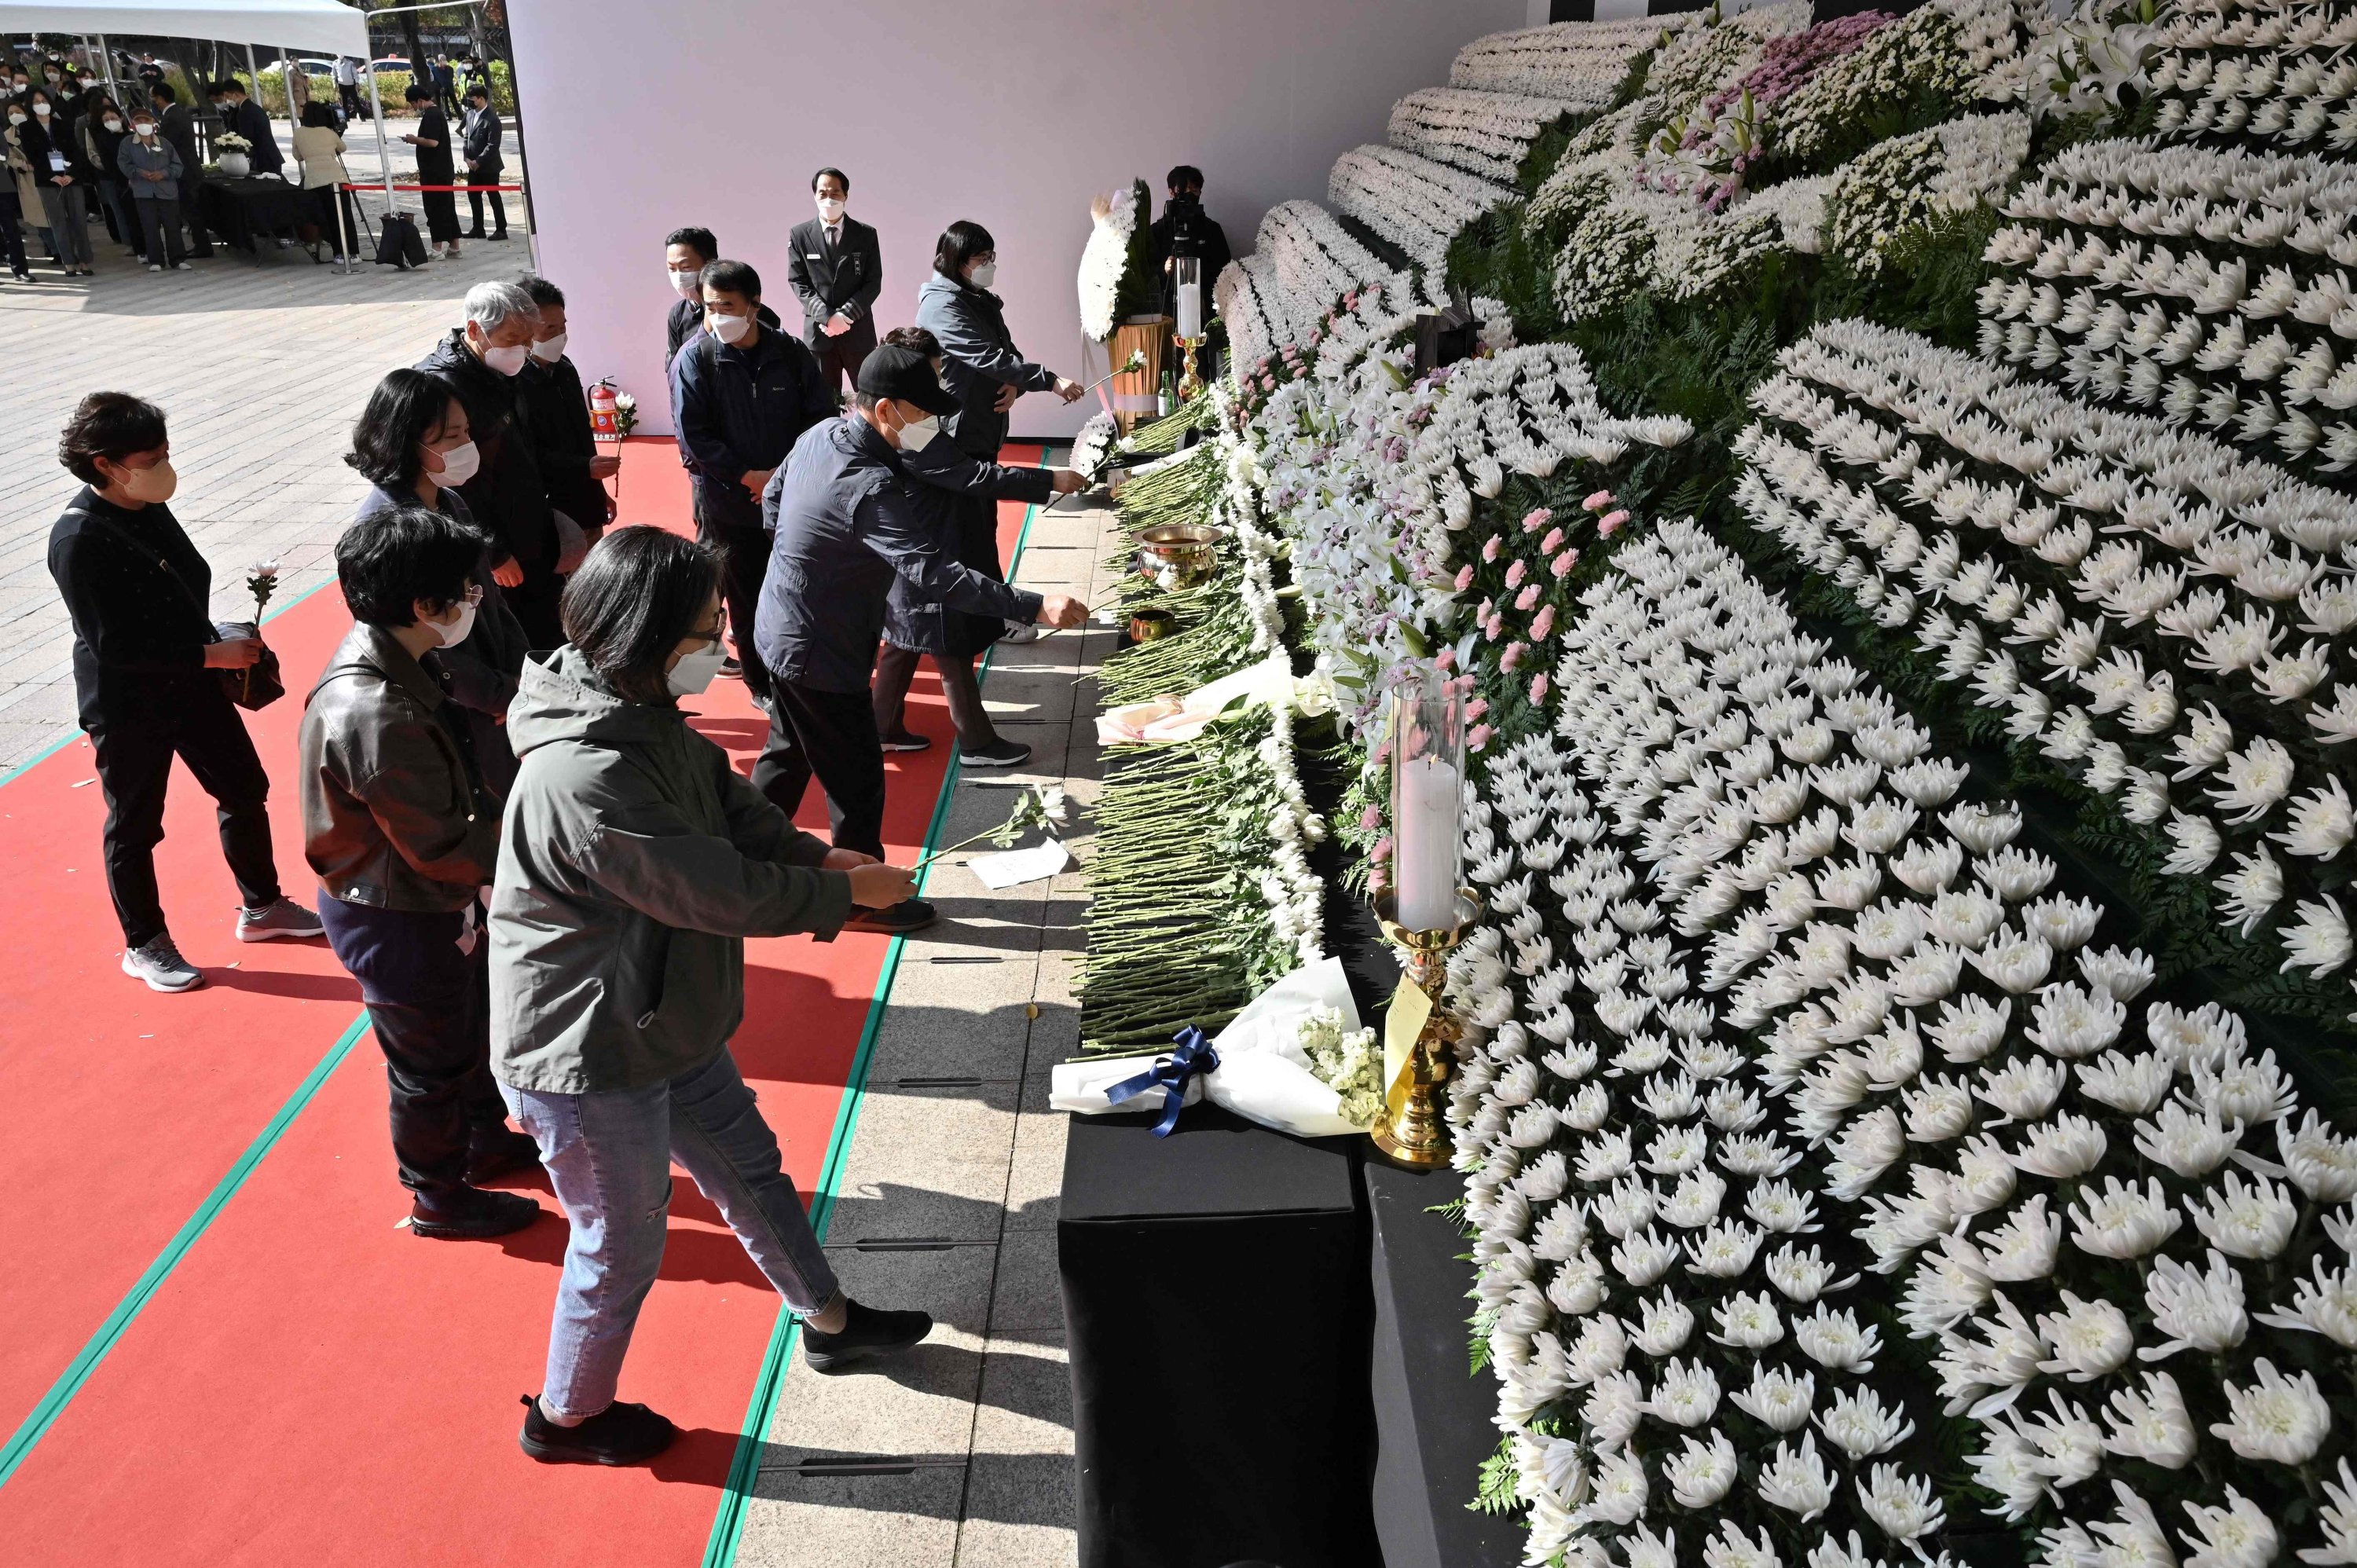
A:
(1190, 309)
(1425, 843)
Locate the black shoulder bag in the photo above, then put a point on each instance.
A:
(257, 686)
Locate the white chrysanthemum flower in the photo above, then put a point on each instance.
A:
(2063, 1149)
(1599, 1351)
(1730, 1548)
(1858, 1423)
(2027, 1246)
(2089, 1339)
(2251, 1219)
(2320, 941)
(1665, 1325)
(2152, 1423)
(1618, 1491)
(1796, 1479)
(1832, 1552)
(1645, 1257)
(2131, 1085)
(1970, 1028)
(2025, 1088)
(2194, 1309)
(1778, 1398)
(1801, 1276)
(2239, 1535)
(1641, 1548)
(2186, 1139)
(1686, 1394)
(1835, 1340)
(2325, 1303)
(2279, 1419)
(1904, 1506)
(2069, 1444)
(2339, 1518)
(1700, 1474)
(1612, 1410)
(2122, 1220)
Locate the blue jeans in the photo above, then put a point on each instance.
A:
(608, 1156)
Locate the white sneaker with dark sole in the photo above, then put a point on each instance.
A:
(284, 921)
(160, 965)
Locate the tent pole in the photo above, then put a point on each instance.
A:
(383, 153)
(114, 87)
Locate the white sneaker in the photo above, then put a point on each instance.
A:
(182, 267)
(285, 920)
(155, 269)
(1022, 631)
(159, 963)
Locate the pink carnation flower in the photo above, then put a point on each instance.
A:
(1527, 597)
(1552, 542)
(1562, 565)
(1371, 819)
(1514, 655)
(1496, 624)
(1539, 687)
(1542, 623)
(1482, 612)
(1382, 850)
(1446, 662)
(1463, 684)
(1515, 573)
(1464, 578)
(1475, 709)
(1536, 519)
(1598, 501)
(1490, 548)
(1610, 523)
(1478, 738)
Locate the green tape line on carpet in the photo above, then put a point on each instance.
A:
(729, 1524)
(118, 1322)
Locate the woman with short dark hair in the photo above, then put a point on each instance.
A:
(145, 656)
(62, 174)
(986, 372)
(404, 835)
(411, 443)
(437, 165)
(319, 154)
(634, 862)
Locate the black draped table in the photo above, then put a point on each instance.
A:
(241, 210)
(1215, 1291)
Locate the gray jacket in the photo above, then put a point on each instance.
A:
(157, 156)
(634, 862)
(979, 357)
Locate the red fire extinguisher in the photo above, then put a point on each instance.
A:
(604, 422)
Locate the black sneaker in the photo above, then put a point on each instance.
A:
(497, 1152)
(621, 1433)
(472, 1214)
(730, 670)
(871, 1332)
(907, 914)
(999, 753)
(907, 740)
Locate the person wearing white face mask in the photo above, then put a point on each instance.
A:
(987, 373)
(403, 836)
(147, 657)
(837, 270)
(151, 166)
(557, 410)
(847, 528)
(481, 363)
(49, 143)
(415, 446)
(741, 396)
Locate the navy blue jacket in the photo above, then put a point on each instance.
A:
(979, 358)
(249, 120)
(508, 494)
(848, 528)
(939, 477)
(738, 409)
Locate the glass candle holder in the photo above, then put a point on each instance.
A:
(1427, 740)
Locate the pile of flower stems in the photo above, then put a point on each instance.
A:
(1166, 903)
(1160, 437)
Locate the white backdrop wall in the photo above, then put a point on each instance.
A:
(641, 118)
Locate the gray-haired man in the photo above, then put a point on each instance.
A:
(478, 362)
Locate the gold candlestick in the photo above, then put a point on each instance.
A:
(1411, 1130)
(1189, 383)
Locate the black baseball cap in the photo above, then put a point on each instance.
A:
(905, 376)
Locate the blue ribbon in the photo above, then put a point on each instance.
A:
(1194, 1055)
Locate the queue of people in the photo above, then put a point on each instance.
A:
(539, 873)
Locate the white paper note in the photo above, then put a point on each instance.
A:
(1010, 867)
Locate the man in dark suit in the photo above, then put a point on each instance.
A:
(837, 269)
(245, 116)
(176, 125)
(445, 85)
(484, 165)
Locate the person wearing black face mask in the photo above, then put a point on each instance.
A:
(146, 653)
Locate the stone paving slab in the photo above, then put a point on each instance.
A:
(978, 1158)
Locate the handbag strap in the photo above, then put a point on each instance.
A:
(163, 562)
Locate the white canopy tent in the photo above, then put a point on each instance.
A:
(320, 27)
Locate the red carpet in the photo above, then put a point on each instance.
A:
(311, 1384)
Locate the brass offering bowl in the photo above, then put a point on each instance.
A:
(1151, 625)
(1187, 550)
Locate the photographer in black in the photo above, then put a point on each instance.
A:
(1186, 230)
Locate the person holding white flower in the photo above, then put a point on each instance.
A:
(985, 373)
(145, 656)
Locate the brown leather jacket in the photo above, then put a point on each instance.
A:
(393, 815)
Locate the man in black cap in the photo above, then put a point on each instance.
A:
(846, 527)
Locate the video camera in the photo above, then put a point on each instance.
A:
(1188, 223)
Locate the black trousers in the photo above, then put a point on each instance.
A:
(353, 107)
(475, 200)
(135, 752)
(729, 520)
(536, 604)
(831, 735)
(429, 1004)
(441, 211)
(895, 667)
(326, 199)
(839, 357)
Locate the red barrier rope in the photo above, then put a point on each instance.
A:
(432, 188)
